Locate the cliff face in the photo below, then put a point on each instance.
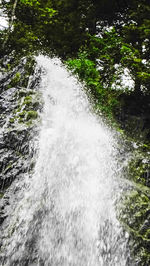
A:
(135, 215)
(19, 107)
(135, 210)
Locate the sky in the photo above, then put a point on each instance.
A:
(3, 20)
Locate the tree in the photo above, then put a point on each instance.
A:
(30, 20)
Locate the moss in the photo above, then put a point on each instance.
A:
(1, 195)
(32, 165)
(134, 216)
(31, 115)
(27, 117)
(21, 120)
(29, 123)
(9, 86)
(8, 167)
(12, 120)
(17, 110)
(15, 79)
(147, 235)
(139, 167)
(8, 67)
(24, 92)
(27, 100)
(25, 112)
(22, 114)
(36, 104)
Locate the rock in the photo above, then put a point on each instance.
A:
(17, 140)
(145, 226)
(17, 132)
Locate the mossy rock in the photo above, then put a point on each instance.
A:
(25, 112)
(15, 80)
(27, 117)
(1, 195)
(28, 100)
(135, 216)
(8, 168)
(23, 92)
(12, 120)
(139, 166)
(31, 115)
(147, 235)
(22, 114)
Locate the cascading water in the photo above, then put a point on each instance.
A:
(67, 215)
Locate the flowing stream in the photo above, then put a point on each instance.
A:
(66, 215)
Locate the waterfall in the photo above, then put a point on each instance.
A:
(66, 213)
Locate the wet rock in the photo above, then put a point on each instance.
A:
(17, 140)
(7, 159)
(136, 216)
(2, 217)
(18, 93)
(145, 226)
(2, 144)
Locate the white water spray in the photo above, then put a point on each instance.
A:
(67, 215)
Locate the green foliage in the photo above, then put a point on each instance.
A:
(144, 76)
(105, 99)
(42, 10)
(85, 69)
(30, 2)
(105, 52)
(75, 30)
(32, 21)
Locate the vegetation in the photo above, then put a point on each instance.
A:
(107, 45)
